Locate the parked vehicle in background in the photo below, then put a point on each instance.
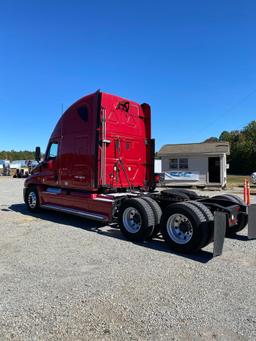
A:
(4, 167)
(99, 164)
(22, 168)
(23, 163)
(253, 178)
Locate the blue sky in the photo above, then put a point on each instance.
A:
(193, 61)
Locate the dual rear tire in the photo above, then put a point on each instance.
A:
(185, 226)
(242, 218)
(136, 219)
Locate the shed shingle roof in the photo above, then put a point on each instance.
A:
(195, 148)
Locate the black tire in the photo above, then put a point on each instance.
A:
(231, 197)
(194, 221)
(209, 218)
(191, 194)
(32, 199)
(221, 197)
(205, 210)
(242, 218)
(235, 198)
(136, 219)
(157, 214)
(175, 193)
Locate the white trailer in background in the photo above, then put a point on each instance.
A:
(4, 163)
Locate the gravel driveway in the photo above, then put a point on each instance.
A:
(66, 278)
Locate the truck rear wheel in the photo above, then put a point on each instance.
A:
(209, 218)
(231, 197)
(175, 193)
(191, 194)
(235, 198)
(242, 218)
(32, 199)
(157, 214)
(184, 227)
(136, 219)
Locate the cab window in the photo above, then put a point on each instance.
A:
(52, 151)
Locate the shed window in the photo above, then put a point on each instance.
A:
(183, 164)
(173, 164)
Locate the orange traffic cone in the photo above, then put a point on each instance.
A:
(248, 193)
(245, 191)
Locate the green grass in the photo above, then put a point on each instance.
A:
(238, 181)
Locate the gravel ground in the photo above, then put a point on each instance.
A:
(66, 278)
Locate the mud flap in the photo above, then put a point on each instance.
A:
(220, 221)
(252, 221)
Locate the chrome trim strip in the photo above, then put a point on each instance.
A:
(46, 192)
(84, 214)
(104, 199)
(52, 190)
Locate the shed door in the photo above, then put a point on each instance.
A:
(214, 169)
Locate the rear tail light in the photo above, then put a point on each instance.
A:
(157, 178)
(232, 220)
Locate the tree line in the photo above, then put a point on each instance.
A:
(17, 155)
(242, 158)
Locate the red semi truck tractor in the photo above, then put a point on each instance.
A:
(99, 164)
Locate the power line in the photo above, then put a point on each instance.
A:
(241, 100)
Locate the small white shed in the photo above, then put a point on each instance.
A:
(195, 164)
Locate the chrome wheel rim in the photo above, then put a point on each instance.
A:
(179, 228)
(132, 220)
(32, 200)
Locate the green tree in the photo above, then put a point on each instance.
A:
(17, 155)
(211, 139)
(242, 157)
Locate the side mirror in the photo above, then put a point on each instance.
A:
(38, 154)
